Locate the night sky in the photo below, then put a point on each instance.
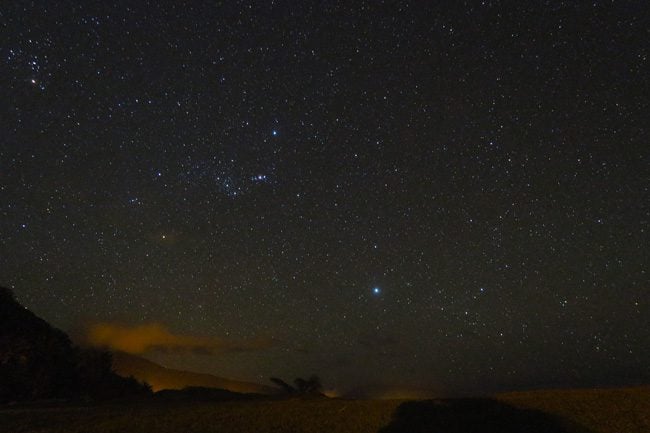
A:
(443, 195)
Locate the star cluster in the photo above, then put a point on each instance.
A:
(450, 195)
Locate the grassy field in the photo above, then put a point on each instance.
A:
(249, 416)
(597, 411)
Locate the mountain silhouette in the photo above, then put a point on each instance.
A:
(160, 377)
(38, 361)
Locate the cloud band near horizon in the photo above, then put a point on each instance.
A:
(151, 337)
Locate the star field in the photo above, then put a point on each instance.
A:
(451, 195)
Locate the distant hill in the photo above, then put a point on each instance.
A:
(199, 394)
(160, 377)
(38, 361)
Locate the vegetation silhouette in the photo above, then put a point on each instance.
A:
(284, 386)
(303, 387)
(40, 362)
(475, 415)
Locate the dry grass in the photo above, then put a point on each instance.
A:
(600, 411)
(243, 417)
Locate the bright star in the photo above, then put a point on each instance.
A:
(376, 290)
(274, 133)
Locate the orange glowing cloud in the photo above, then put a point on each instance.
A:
(154, 336)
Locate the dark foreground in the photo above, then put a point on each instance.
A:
(575, 411)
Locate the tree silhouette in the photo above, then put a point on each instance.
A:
(309, 386)
(284, 386)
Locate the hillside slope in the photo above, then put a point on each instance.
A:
(160, 377)
(38, 361)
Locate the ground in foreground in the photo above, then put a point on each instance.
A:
(575, 411)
